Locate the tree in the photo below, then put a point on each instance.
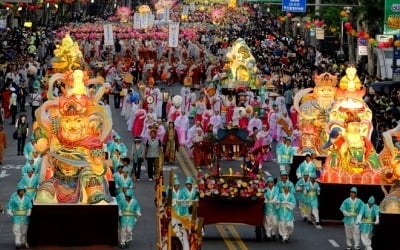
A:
(369, 18)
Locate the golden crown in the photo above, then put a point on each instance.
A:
(325, 79)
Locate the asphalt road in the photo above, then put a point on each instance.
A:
(223, 236)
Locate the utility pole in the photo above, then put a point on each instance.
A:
(317, 7)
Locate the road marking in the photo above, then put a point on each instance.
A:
(225, 237)
(169, 168)
(182, 164)
(267, 173)
(186, 156)
(11, 166)
(237, 238)
(334, 243)
(4, 174)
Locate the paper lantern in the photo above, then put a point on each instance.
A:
(371, 41)
(343, 13)
(347, 25)
(289, 15)
(164, 76)
(28, 24)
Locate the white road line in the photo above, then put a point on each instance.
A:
(318, 226)
(267, 173)
(334, 243)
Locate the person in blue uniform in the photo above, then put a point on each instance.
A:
(367, 219)
(124, 182)
(30, 164)
(284, 180)
(187, 195)
(300, 194)
(306, 166)
(129, 211)
(350, 208)
(30, 181)
(286, 204)
(20, 207)
(311, 193)
(270, 211)
(285, 153)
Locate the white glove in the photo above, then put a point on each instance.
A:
(345, 213)
(119, 212)
(139, 213)
(28, 213)
(358, 220)
(376, 220)
(9, 212)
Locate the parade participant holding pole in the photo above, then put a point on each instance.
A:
(129, 210)
(286, 204)
(300, 194)
(19, 207)
(187, 195)
(30, 181)
(311, 193)
(270, 211)
(367, 218)
(350, 208)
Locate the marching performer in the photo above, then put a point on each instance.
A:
(285, 153)
(311, 193)
(30, 181)
(182, 126)
(350, 208)
(284, 181)
(306, 166)
(185, 93)
(129, 210)
(367, 218)
(286, 204)
(19, 207)
(171, 143)
(187, 195)
(254, 122)
(270, 212)
(300, 195)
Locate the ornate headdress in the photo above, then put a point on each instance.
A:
(73, 105)
(325, 79)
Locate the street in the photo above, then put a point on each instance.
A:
(223, 236)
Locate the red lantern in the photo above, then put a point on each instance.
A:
(289, 15)
(347, 25)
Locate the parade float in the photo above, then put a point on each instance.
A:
(336, 125)
(225, 191)
(70, 131)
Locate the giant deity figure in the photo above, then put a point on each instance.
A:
(241, 66)
(313, 109)
(70, 131)
(351, 155)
